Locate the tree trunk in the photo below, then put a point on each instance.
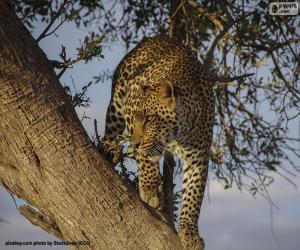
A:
(47, 159)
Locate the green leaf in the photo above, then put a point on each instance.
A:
(260, 63)
(243, 87)
(276, 84)
(231, 84)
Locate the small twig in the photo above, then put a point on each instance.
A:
(294, 91)
(213, 17)
(83, 54)
(186, 15)
(171, 26)
(224, 8)
(209, 56)
(12, 196)
(54, 17)
(57, 64)
(175, 12)
(100, 146)
(288, 44)
(226, 79)
(96, 131)
(56, 28)
(229, 132)
(61, 73)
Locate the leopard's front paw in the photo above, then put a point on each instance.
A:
(152, 196)
(112, 150)
(190, 240)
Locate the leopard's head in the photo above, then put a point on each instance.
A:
(155, 122)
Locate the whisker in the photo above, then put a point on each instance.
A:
(153, 152)
(168, 155)
(156, 150)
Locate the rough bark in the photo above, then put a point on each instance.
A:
(47, 159)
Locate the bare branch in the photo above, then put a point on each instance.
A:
(224, 8)
(215, 19)
(57, 64)
(56, 28)
(227, 78)
(86, 52)
(295, 92)
(54, 17)
(100, 146)
(12, 196)
(210, 54)
(171, 19)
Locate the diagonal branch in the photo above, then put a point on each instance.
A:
(176, 28)
(210, 54)
(54, 17)
(226, 79)
(295, 92)
(224, 8)
(39, 219)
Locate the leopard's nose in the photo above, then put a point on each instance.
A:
(136, 145)
(135, 142)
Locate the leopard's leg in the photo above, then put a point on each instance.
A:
(114, 125)
(150, 183)
(194, 182)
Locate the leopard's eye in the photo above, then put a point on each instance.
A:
(149, 118)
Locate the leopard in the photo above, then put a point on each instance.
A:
(163, 99)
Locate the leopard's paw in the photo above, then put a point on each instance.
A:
(112, 150)
(152, 197)
(190, 240)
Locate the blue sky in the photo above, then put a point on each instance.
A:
(232, 219)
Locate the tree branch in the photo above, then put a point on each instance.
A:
(54, 17)
(224, 8)
(226, 79)
(210, 54)
(173, 11)
(295, 92)
(39, 219)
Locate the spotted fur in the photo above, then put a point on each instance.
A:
(163, 99)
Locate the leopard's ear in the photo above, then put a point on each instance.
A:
(168, 94)
(167, 90)
(142, 89)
